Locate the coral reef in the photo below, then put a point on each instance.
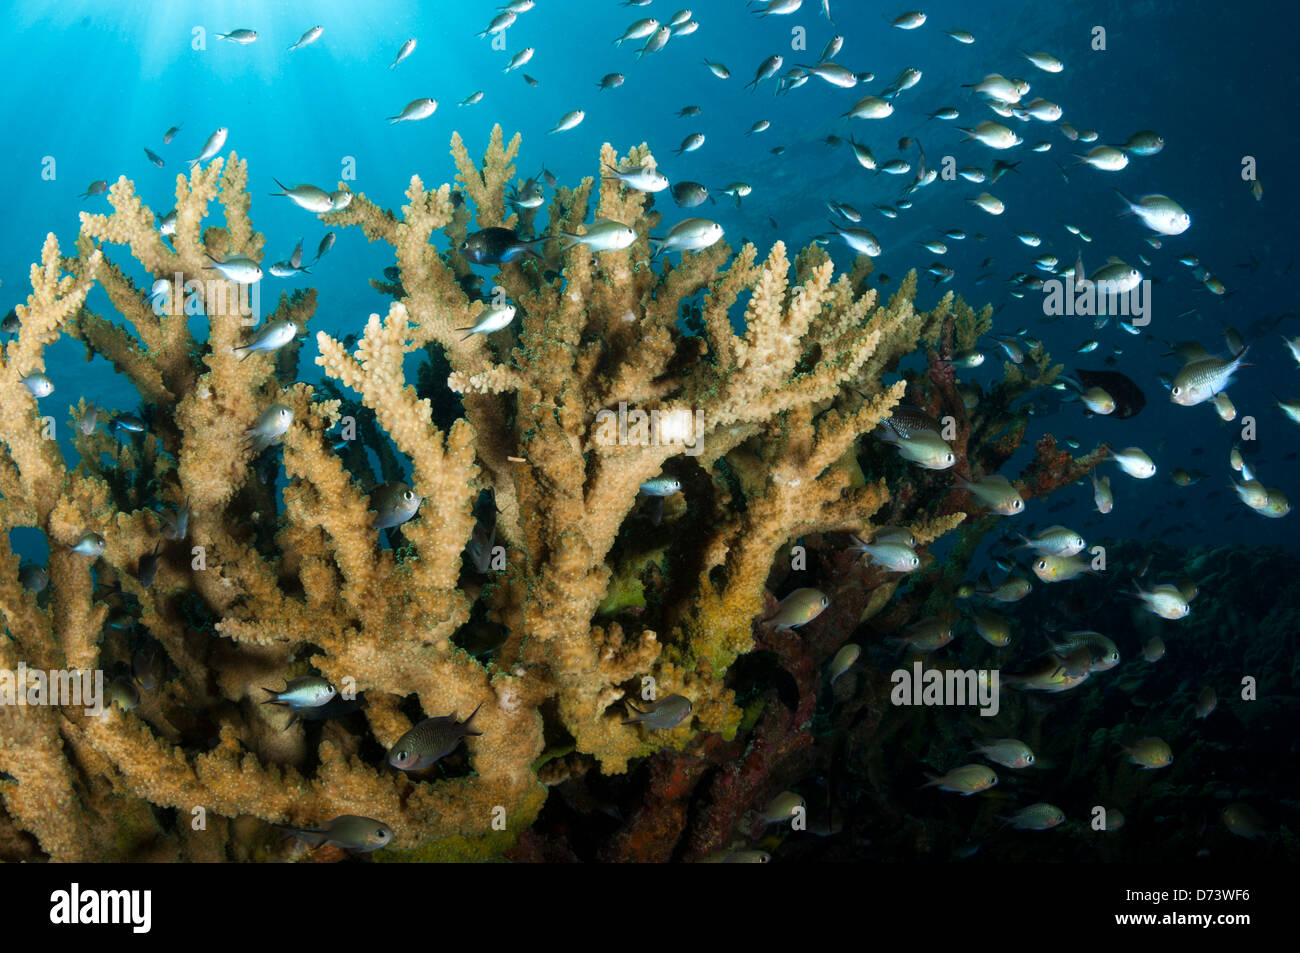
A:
(600, 596)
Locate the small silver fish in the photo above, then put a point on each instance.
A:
(90, 544)
(237, 268)
(271, 337)
(38, 384)
(211, 147)
(407, 49)
(311, 36)
(305, 691)
(273, 424)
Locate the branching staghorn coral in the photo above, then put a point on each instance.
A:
(269, 584)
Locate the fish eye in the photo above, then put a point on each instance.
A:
(1041, 564)
(1029, 759)
(825, 602)
(408, 495)
(401, 756)
(1176, 391)
(950, 458)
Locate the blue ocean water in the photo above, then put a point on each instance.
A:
(91, 84)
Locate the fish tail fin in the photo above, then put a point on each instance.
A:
(634, 714)
(933, 780)
(1125, 199)
(464, 725)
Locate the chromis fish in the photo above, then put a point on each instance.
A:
(1008, 752)
(122, 692)
(643, 178)
(891, 554)
(690, 194)
(660, 486)
(799, 608)
(1101, 494)
(90, 544)
(305, 691)
(1153, 649)
(967, 780)
(662, 715)
(1243, 820)
(1200, 380)
(568, 121)
(430, 741)
(243, 37)
(38, 385)
(1135, 463)
(394, 503)
(692, 234)
(843, 661)
(991, 627)
(311, 36)
(1102, 652)
(237, 268)
(273, 424)
(1158, 212)
(175, 525)
(1144, 143)
(272, 337)
(1060, 568)
(1012, 589)
(1206, 702)
(997, 493)
(33, 578)
(926, 449)
(1150, 753)
(1036, 817)
(927, 635)
(211, 147)
(1165, 600)
(602, 235)
(348, 831)
(1277, 504)
(1055, 541)
(495, 246)
(781, 808)
(415, 110)
(407, 49)
(492, 318)
(1046, 673)
(307, 197)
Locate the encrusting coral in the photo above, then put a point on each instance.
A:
(761, 427)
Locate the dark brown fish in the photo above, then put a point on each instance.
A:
(1129, 399)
